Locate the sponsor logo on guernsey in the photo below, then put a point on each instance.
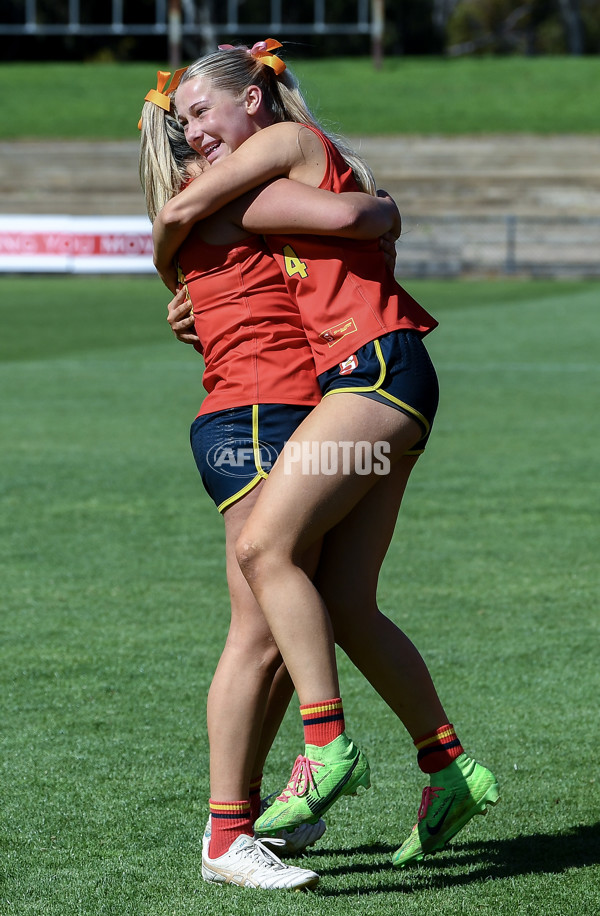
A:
(349, 365)
(338, 331)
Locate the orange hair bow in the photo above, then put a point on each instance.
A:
(158, 96)
(260, 51)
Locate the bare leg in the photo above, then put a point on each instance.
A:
(238, 695)
(351, 559)
(251, 688)
(293, 510)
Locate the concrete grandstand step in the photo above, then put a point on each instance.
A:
(523, 175)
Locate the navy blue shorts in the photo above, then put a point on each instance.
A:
(236, 448)
(395, 369)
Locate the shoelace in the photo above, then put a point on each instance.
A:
(429, 794)
(301, 779)
(264, 856)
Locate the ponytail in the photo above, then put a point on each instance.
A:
(164, 157)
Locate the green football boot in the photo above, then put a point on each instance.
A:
(462, 789)
(318, 779)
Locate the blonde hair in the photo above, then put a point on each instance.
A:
(234, 69)
(164, 157)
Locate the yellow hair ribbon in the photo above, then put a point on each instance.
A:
(158, 96)
(260, 51)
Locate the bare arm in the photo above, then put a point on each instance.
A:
(285, 206)
(271, 152)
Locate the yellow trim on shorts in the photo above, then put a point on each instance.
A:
(261, 473)
(384, 394)
(233, 499)
(408, 409)
(256, 442)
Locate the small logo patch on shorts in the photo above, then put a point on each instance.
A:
(349, 365)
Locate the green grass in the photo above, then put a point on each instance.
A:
(114, 610)
(542, 95)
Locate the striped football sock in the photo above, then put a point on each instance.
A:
(323, 722)
(437, 749)
(227, 821)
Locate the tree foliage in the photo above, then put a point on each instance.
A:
(523, 26)
(413, 27)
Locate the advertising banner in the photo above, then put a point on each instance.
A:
(75, 244)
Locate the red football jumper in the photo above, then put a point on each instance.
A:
(254, 346)
(346, 294)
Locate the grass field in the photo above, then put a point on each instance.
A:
(115, 609)
(407, 96)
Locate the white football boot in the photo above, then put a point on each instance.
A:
(248, 863)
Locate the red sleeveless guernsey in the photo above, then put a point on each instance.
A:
(346, 294)
(254, 346)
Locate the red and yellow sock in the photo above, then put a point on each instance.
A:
(255, 784)
(437, 749)
(323, 722)
(227, 821)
